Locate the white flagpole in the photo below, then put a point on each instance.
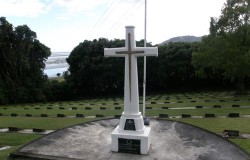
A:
(144, 75)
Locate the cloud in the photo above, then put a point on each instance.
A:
(22, 8)
(35, 8)
(117, 15)
(72, 7)
(65, 23)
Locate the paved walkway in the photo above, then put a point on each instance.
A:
(169, 141)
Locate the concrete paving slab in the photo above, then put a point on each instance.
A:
(169, 141)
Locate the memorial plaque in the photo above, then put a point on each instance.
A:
(129, 125)
(129, 145)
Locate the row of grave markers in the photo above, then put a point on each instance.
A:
(106, 104)
(119, 108)
(208, 115)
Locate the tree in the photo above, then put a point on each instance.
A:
(21, 64)
(91, 73)
(172, 68)
(58, 74)
(225, 51)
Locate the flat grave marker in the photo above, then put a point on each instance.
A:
(36, 130)
(209, 115)
(163, 115)
(186, 116)
(14, 129)
(233, 115)
(231, 133)
(13, 114)
(217, 106)
(80, 115)
(60, 115)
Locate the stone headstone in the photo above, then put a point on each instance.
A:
(79, 115)
(13, 114)
(60, 115)
(233, 115)
(37, 130)
(117, 108)
(163, 115)
(164, 107)
(231, 133)
(99, 115)
(185, 115)
(44, 115)
(208, 115)
(236, 105)
(217, 106)
(117, 116)
(199, 106)
(14, 129)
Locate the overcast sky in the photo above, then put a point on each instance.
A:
(63, 24)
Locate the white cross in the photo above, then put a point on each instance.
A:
(131, 52)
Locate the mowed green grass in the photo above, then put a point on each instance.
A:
(41, 123)
(15, 140)
(217, 125)
(243, 143)
(182, 101)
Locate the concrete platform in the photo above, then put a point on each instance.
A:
(169, 141)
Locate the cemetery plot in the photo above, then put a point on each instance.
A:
(199, 112)
(27, 116)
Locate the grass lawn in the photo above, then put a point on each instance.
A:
(41, 123)
(217, 125)
(243, 143)
(5, 153)
(59, 79)
(14, 140)
(175, 100)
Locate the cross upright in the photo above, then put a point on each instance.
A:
(131, 52)
(131, 135)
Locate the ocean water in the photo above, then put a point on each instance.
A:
(56, 63)
(53, 72)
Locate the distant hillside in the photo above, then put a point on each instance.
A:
(182, 39)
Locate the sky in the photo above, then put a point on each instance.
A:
(62, 24)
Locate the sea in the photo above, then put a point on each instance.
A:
(56, 63)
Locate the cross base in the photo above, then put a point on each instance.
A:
(131, 136)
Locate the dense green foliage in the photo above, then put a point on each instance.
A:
(172, 68)
(90, 72)
(93, 74)
(21, 64)
(225, 53)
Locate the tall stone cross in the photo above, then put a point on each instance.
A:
(131, 135)
(131, 52)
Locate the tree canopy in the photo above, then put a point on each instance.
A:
(225, 51)
(93, 74)
(90, 72)
(21, 64)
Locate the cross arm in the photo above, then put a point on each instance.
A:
(111, 52)
(148, 51)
